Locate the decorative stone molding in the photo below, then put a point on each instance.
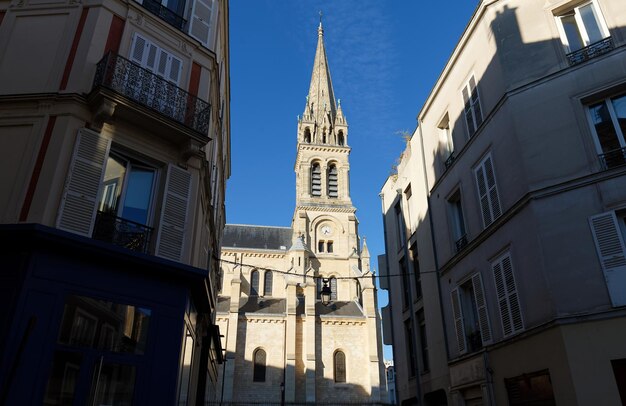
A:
(342, 322)
(327, 209)
(262, 319)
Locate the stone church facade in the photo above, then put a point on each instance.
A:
(281, 341)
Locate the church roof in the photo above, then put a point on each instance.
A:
(278, 306)
(339, 309)
(256, 237)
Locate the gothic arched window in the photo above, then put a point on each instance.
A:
(333, 184)
(267, 284)
(259, 360)
(339, 364)
(307, 135)
(254, 283)
(340, 140)
(316, 180)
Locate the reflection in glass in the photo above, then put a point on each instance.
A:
(604, 127)
(574, 39)
(619, 104)
(112, 384)
(590, 21)
(138, 195)
(113, 179)
(63, 377)
(102, 325)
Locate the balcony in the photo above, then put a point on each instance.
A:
(591, 51)
(149, 90)
(613, 159)
(121, 232)
(164, 13)
(461, 243)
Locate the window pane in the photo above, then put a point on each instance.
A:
(607, 136)
(138, 195)
(254, 283)
(590, 20)
(619, 104)
(112, 187)
(340, 367)
(63, 377)
(113, 384)
(102, 325)
(185, 369)
(572, 32)
(267, 288)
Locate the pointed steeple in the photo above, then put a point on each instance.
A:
(321, 107)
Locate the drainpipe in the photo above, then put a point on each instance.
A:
(432, 238)
(393, 340)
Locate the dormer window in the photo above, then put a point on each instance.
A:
(333, 184)
(316, 180)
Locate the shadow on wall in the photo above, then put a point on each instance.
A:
(266, 387)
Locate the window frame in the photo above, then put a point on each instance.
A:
(469, 105)
(254, 291)
(458, 226)
(489, 191)
(619, 133)
(339, 377)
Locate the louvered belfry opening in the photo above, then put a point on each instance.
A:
(333, 184)
(316, 180)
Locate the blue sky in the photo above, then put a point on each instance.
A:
(384, 57)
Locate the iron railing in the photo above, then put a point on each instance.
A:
(614, 158)
(461, 243)
(119, 74)
(448, 163)
(590, 51)
(121, 232)
(208, 403)
(164, 13)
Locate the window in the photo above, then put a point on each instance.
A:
(267, 284)
(608, 123)
(423, 340)
(458, 221)
(201, 22)
(581, 26)
(333, 288)
(340, 139)
(469, 310)
(171, 11)
(320, 246)
(407, 196)
(307, 135)
(339, 364)
(400, 232)
(254, 283)
(473, 111)
(508, 300)
(416, 272)
(406, 286)
(332, 181)
(316, 180)
(609, 233)
(487, 191)
(446, 141)
(533, 389)
(410, 350)
(359, 292)
(156, 60)
(329, 247)
(259, 361)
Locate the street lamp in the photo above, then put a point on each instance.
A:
(325, 293)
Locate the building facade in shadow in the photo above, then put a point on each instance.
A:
(281, 340)
(507, 214)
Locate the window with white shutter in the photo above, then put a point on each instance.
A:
(80, 196)
(174, 213)
(459, 324)
(508, 299)
(481, 308)
(611, 250)
(200, 26)
(156, 59)
(473, 110)
(487, 191)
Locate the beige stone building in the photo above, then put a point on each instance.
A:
(278, 335)
(114, 155)
(507, 214)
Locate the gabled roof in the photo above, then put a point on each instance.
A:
(256, 237)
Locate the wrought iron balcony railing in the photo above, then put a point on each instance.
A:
(121, 232)
(461, 243)
(591, 51)
(614, 158)
(448, 163)
(164, 13)
(144, 87)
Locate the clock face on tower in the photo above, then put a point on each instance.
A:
(326, 230)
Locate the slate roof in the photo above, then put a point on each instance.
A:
(258, 237)
(339, 309)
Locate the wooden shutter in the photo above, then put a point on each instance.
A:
(508, 300)
(174, 213)
(138, 49)
(201, 15)
(481, 307)
(82, 187)
(487, 191)
(612, 254)
(459, 323)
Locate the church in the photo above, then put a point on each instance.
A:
(297, 309)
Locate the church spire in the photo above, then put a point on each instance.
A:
(321, 108)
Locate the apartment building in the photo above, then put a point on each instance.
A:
(512, 190)
(114, 153)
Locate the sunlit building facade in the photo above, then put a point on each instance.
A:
(114, 153)
(509, 204)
